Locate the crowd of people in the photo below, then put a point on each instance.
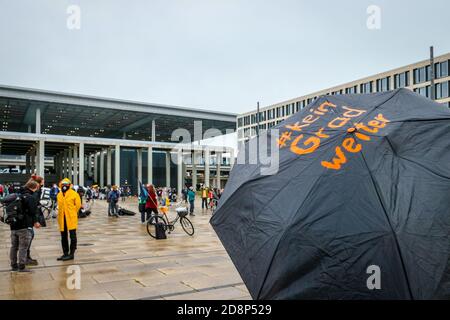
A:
(67, 199)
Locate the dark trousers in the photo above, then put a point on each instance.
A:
(191, 207)
(149, 211)
(65, 241)
(31, 231)
(19, 244)
(204, 203)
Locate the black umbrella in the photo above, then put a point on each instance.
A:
(358, 209)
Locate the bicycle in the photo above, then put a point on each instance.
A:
(169, 226)
(49, 209)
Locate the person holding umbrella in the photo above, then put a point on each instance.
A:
(69, 203)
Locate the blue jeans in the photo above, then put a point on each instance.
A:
(112, 209)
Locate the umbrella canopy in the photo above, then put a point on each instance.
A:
(358, 209)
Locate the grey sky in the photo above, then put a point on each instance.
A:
(216, 54)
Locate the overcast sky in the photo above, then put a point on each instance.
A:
(215, 54)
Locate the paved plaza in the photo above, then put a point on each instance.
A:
(119, 260)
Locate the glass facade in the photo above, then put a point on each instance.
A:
(424, 91)
(366, 87)
(422, 75)
(442, 90)
(401, 80)
(383, 85)
(442, 69)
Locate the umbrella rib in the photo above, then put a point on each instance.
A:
(390, 225)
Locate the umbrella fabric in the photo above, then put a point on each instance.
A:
(363, 183)
(143, 193)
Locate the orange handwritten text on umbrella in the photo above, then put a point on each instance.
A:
(351, 144)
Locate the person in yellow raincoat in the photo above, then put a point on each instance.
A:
(69, 203)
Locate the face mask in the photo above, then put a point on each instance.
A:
(65, 188)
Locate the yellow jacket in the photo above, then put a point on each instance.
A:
(68, 206)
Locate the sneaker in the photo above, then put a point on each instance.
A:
(64, 256)
(15, 267)
(32, 262)
(23, 268)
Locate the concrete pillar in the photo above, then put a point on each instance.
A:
(102, 168)
(75, 165)
(41, 157)
(194, 169)
(38, 121)
(219, 163)
(89, 165)
(65, 171)
(33, 159)
(150, 165)
(108, 167)
(28, 163)
(232, 160)
(96, 168)
(139, 169)
(70, 164)
(179, 172)
(60, 165)
(167, 168)
(207, 157)
(82, 160)
(153, 131)
(117, 165)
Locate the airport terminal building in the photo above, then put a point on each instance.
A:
(103, 141)
(416, 77)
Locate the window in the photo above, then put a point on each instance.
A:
(401, 80)
(366, 87)
(422, 75)
(442, 90)
(383, 84)
(302, 104)
(351, 90)
(441, 69)
(424, 91)
(240, 122)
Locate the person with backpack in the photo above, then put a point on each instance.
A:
(24, 215)
(191, 199)
(113, 199)
(41, 219)
(69, 203)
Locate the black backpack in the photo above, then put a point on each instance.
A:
(13, 210)
(160, 230)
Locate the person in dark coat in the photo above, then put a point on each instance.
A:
(20, 230)
(37, 195)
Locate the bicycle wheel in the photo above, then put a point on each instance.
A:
(187, 226)
(151, 225)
